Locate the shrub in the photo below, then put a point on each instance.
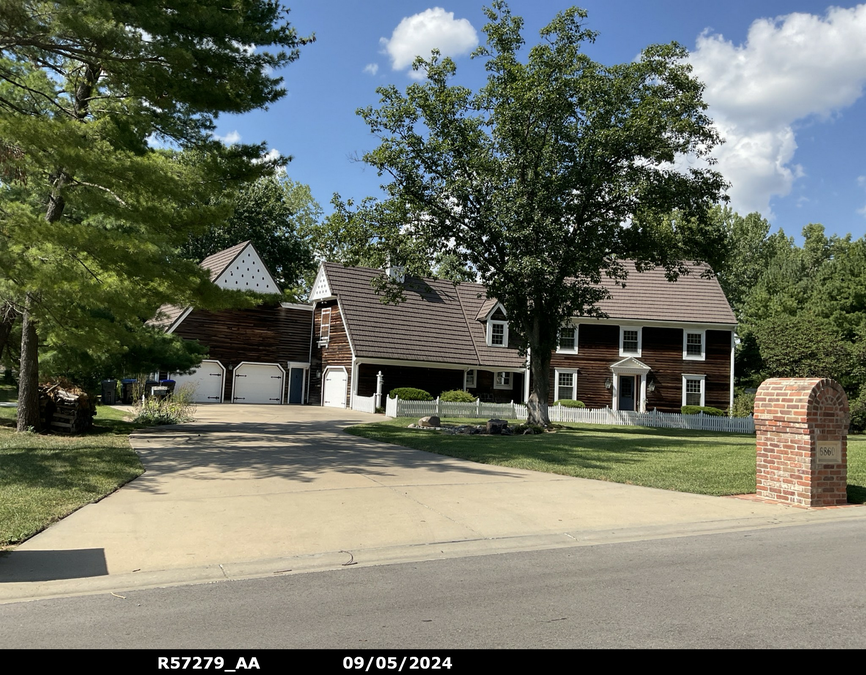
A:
(570, 403)
(857, 408)
(410, 394)
(707, 410)
(744, 405)
(172, 409)
(457, 396)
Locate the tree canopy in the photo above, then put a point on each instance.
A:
(108, 163)
(549, 176)
(278, 215)
(801, 309)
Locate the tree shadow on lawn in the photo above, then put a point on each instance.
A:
(32, 462)
(576, 447)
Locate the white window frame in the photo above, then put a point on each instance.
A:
(466, 384)
(490, 325)
(703, 380)
(639, 330)
(324, 339)
(564, 371)
(694, 357)
(507, 385)
(567, 350)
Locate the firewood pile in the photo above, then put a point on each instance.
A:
(65, 409)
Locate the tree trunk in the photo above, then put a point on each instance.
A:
(28, 376)
(539, 365)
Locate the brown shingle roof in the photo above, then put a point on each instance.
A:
(650, 296)
(440, 323)
(166, 316)
(218, 262)
(436, 323)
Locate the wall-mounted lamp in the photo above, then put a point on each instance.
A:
(650, 384)
(607, 383)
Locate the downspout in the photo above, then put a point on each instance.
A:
(733, 349)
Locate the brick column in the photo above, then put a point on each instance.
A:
(802, 428)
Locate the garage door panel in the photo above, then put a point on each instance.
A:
(335, 389)
(206, 381)
(260, 383)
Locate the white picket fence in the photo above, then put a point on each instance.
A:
(365, 404)
(395, 407)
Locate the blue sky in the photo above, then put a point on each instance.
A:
(785, 83)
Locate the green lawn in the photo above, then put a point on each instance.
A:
(44, 478)
(8, 392)
(701, 462)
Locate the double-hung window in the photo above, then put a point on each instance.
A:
(694, 345)
(566, 385)
(629, 341)
(503, 380)
(694, 389)
(497, 333)
(567, 340)
(469, 380)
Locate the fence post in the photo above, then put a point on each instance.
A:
(438, 411)
(478, 407)
(513, 412)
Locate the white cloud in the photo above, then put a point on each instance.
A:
(419, 34)
(230, 138)
(795, 67)
(371, 68)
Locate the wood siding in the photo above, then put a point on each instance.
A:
(435, 381)
(264, 334)
(336, 352)
(432, 380)
(661, 350)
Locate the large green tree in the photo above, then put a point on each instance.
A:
(550, 175)
(276, 214)
(108, 161)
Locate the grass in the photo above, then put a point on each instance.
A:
(44, 478)
(8, 392)
(700, 462)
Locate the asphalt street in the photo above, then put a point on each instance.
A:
(786, 587)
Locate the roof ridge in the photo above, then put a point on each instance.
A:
(468, 327)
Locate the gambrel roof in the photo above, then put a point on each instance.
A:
(436, 323)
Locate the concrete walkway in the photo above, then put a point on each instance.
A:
(250, 491)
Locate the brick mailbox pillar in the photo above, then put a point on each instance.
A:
(802, 429)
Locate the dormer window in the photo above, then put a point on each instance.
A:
(497, 333)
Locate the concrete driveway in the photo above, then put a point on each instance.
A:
(250, 491)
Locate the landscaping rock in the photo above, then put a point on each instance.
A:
(496, 426)
(431, 421)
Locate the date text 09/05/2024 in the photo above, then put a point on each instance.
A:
(361, 663)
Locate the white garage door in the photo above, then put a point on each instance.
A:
(334, 395)
(258, 383)
(206, 382)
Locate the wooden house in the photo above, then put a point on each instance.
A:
(663, 344)
(259, 355)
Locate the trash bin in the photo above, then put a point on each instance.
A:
(109, 392)
(126, 387)
(168, 383)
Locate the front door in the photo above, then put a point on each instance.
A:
(296, 386)
(626, 392)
